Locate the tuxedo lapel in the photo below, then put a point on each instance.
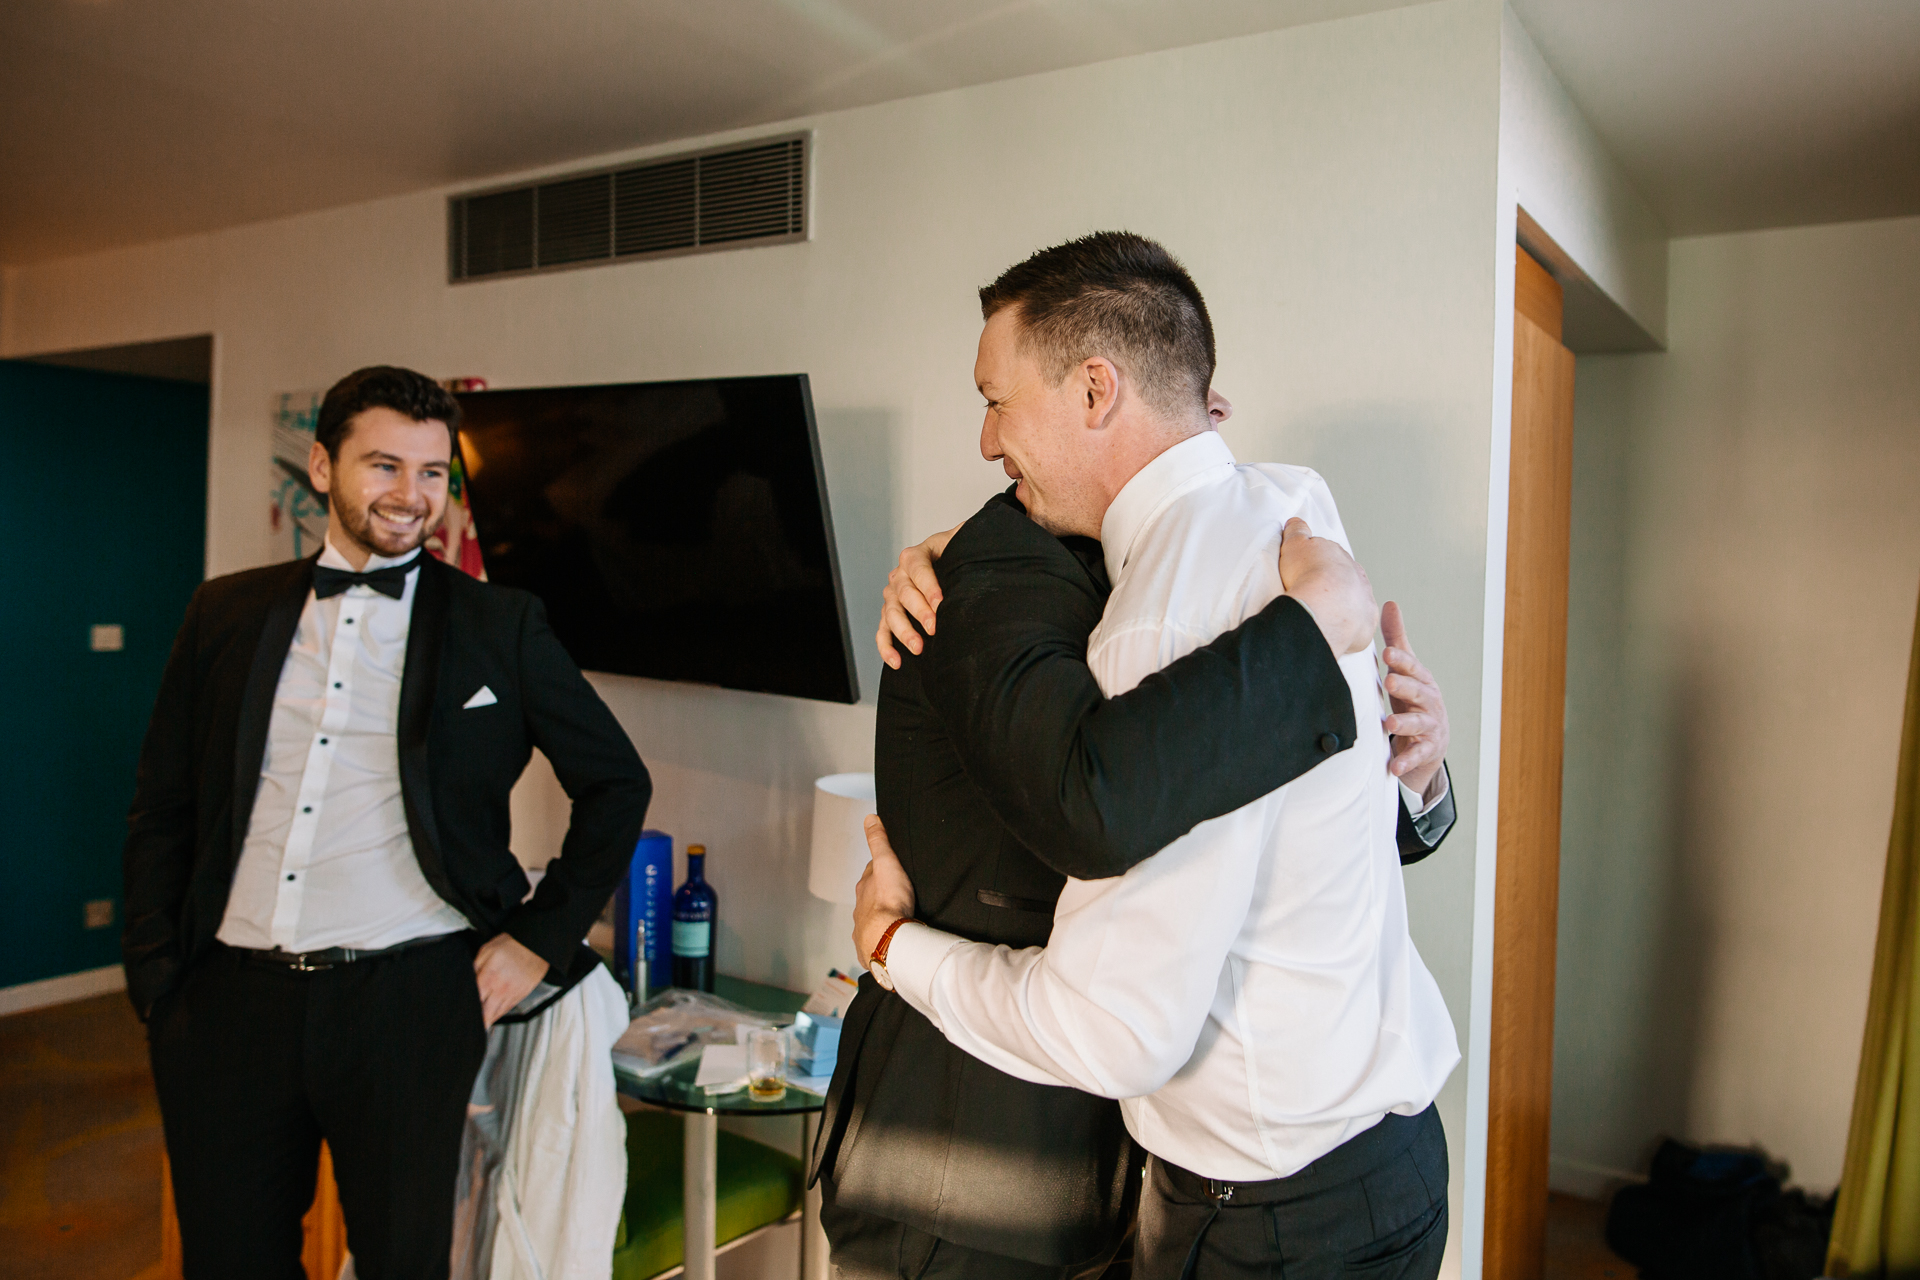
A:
(419, 683)
(256, 701)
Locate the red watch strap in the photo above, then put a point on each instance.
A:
(879, 955)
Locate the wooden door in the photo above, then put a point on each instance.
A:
(1533, 700)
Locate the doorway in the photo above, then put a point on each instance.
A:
(103, 514)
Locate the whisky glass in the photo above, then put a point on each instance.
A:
(767, 1064)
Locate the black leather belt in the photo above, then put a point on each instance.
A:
(1354, 1158)
(330, 958)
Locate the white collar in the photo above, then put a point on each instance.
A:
(1151, 488)
(330, 556)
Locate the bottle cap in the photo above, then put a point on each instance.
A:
(696, 851)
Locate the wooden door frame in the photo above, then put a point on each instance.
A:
(1526, 872)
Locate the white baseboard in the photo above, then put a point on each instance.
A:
(1585, 1179)
(69, 986)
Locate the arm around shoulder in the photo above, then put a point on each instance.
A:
(1094, 785)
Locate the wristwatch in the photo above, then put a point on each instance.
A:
(877, 963)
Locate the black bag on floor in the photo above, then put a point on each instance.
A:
(1790, 1238)
(1718, 1215)
(1693, 1218)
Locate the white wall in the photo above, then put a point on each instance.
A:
(1554, 166)
(1746, 563)
(1329, 186)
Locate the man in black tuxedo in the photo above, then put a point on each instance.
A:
(323, 916)
(1000, 771)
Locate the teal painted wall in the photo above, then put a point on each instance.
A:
(103, 494)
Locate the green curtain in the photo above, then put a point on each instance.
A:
(1876, 1230)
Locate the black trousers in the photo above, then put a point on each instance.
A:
(255, 1064)
(867, 1247)
(1376, 1206)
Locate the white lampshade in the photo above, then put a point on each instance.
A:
(841, 802)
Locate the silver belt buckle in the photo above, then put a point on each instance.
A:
(1220, 1191)
(300, 964)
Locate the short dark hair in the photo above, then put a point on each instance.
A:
(1117, 295)
(383, 386)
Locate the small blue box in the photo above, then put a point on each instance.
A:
(816, 1043)
(645, 896)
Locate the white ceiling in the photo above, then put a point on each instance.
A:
(134, 120)
(131, 120)
(1736, 114)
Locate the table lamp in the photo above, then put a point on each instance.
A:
(841, 802)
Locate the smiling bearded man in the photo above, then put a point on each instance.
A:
(323, 916)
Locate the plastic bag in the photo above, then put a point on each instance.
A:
(676, 1025)
(483, 1147)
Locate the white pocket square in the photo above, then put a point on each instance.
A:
(484, 698)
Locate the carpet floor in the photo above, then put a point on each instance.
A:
(1577, 1243)
(79, 1144)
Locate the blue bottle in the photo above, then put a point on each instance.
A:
(695, 912)
(645, 900)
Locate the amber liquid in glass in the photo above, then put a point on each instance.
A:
(766, 1065)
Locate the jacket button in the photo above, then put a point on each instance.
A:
(1329, 743)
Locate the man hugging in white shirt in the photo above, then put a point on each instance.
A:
(1251, 992)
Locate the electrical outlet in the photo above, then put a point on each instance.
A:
(100, 913)
(108, 637)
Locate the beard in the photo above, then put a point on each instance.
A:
(360, 525)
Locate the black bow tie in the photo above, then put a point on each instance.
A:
(390, 581)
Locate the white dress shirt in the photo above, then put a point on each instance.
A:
(328, 861)
(1250, 992)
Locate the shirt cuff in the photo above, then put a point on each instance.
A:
(1415, 808)
(913, 958)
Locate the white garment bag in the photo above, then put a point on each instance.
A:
(543, 1167)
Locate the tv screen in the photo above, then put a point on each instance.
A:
(675, 530)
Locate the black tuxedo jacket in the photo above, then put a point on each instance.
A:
(1001, 770)
(200, 765)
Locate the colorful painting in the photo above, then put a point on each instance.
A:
(455, 541)
(299, 517)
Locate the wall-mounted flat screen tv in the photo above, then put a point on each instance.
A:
(675, 530)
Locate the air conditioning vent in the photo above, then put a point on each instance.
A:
(725, 199)
(574, 222)
(499, 232)
(653, 208)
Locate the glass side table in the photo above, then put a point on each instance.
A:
(674, 1090)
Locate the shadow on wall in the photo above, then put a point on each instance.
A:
(1634, 917)
(857, 446)
(1407, 527)
(1681, 938)
(735, 771)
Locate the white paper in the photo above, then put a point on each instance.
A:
(723, 1068)
(832, 997)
